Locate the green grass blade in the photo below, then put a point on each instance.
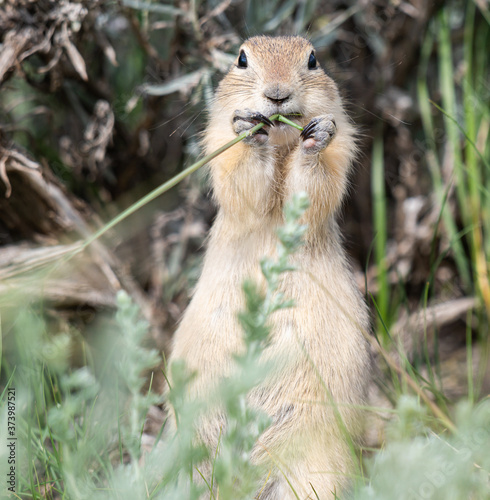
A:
(431, 154)
(380, 227)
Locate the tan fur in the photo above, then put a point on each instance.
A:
(320, 342)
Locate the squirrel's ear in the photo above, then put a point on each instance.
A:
(312, 62)
(242, 60)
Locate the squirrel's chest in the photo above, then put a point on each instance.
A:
(268, 165)
(229, 262)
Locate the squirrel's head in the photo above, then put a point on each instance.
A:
(279, 75)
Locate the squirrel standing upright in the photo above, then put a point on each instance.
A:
(314, 401)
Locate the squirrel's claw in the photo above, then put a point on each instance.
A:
(263, 119)
(308, 131)
(318, 134)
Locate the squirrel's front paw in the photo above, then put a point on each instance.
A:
(244, 120)
(318, 134)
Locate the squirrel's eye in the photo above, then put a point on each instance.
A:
(242, 60)
(312, 61)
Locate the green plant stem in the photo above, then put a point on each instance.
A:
(379, 221)
(174, 181)
(430, 150)
(80, 246)
(448, 97)
(413, 384)
(463, 131)
(281, 118)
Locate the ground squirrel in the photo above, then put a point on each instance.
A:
(322, 335)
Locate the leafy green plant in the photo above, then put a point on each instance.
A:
(233, 474)
(429, 466)
(83, 437)
(244, 425)
(68, 420)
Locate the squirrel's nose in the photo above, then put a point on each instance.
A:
(277, 94)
